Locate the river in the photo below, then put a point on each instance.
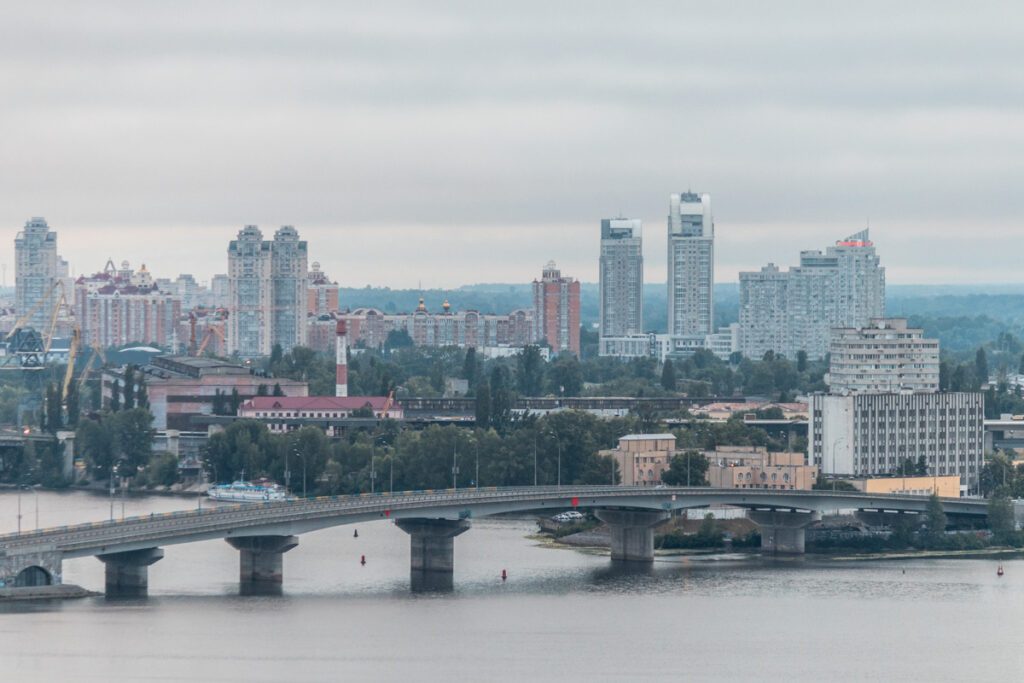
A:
(562, 615)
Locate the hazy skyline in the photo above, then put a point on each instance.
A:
(472, 142)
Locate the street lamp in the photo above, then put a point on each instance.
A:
(558, 442)
(373, 469)
(299, 455)
(455, 463)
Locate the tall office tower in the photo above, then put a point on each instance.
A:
(249, 294)
(788, 312)
(556, 310)
(621, 276)
(37, 267)
(885, 356)
(288, 265)
(691, 266)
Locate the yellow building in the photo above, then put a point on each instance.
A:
(754, 467)
(947, 486)
(643, 458)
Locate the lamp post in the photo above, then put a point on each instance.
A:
(535, 458)
(835, 445)
(558, 443)
(476, 449)
(455, 463)
(373, 468)
(302, 457)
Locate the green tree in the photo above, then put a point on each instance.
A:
(278, 391)
(236, 401)
(935, 519)
(1000, 515)
(668, 375)
(566, 375)
(128, 400)
(530, 371)
(469, 367)
(501, 398)
(162, 469)
(687, 469)
(276, 355)
(220, 405)
(133, 437)
(115, 396)
(95, 444)
(483, 405)
(72, 407)
(801, 361)
(54, 418)
(142, 397)
(262, 390)
(981, 367)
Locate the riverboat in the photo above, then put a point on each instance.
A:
(247, 492)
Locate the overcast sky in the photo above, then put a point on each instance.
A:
(450, 143)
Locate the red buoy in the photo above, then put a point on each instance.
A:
(362, 559)
(504, 574)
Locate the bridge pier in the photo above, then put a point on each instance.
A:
(127, 573)
(432, 551)
(782, 532)
(261, 562)
(632, 533)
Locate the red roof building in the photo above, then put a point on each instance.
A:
(276, 410)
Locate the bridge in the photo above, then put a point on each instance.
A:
(263, 532)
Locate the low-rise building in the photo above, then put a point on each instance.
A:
(754, 467)
(946, 486)
(181, 387)
(643, 458)
(287, 413)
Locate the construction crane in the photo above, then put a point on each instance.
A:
(210, 333)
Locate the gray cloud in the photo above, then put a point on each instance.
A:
(471, 141)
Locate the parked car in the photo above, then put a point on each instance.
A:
(568, 516)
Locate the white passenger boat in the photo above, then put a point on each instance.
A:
(247, 492)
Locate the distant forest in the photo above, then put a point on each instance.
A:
(962, 317)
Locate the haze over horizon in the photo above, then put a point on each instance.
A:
(472, 142)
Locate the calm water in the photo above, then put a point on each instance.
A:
(563, 615)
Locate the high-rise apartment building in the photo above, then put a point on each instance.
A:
(322, 295)
(787, 312)
(621, 279)
(37, 268)
(691, 266)
(556, 310)
(266, 291)
(120, 305)
(885, 356)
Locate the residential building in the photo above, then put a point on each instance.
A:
(621, 279)
(118, 306)
(183, 387)
(643, 458)
(370, 327)
(321, 294)
(947, 486)
(754, 467)
(220, 291)
(872, 434)
(556, 310)
(266, 291)
(882, 357)
(691, 266)
(792, 311)
(37, 270)
(725, 342)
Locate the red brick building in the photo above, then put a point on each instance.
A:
(556, 310)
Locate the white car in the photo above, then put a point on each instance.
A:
(568, 516)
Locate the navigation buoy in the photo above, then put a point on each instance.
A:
(999, 572)
(362, 559)
(504, 575)
(355, 534)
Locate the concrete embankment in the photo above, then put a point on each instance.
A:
(59, 592)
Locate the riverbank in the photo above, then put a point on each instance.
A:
(64, 591)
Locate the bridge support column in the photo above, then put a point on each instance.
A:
(261, 562)
(127, 574)
(432, 551)
(632, 533)
(782, 532)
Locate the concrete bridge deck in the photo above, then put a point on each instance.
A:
(432, 518)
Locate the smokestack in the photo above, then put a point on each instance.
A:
(341, 373)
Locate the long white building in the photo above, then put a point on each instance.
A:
(791, 311)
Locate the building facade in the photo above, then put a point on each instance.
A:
(643, 458)
(691, 265)
(872, 434)
(37, 269)
(118, 306)
(884, 356)
(621, 279)
(370, 327)
(754, 467)
(322, 293)
(556, 310)
(790, 311)
(288, 413)
(266, 291)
